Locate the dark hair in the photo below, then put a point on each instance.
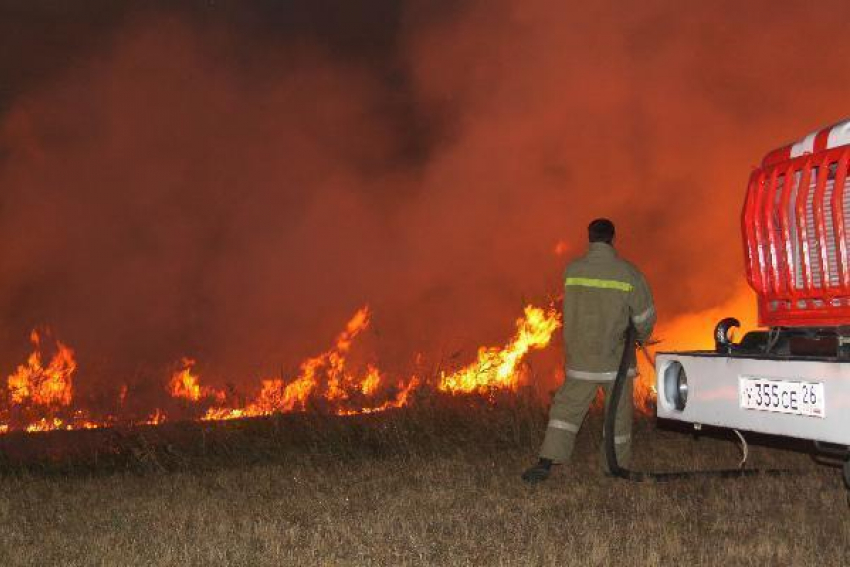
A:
(601, 230)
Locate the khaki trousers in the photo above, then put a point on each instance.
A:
(569, 407)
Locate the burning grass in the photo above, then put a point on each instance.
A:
(41, 397)
(434, 483)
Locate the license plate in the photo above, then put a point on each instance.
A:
(782, 396)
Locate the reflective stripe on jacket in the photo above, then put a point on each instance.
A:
(602, 292)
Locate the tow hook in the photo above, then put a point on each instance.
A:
(722, 342)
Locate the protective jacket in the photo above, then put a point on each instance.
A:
(602, 293)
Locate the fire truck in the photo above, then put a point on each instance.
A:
(792, 378)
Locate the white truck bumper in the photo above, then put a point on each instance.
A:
(717, 395)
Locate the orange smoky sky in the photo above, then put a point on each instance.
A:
(229, 181)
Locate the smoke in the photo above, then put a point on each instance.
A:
(208, 190)
(652, 115)
(162, 199)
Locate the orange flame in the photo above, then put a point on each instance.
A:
(51, 386)
(401, 399)
(184, 384)
(278, 396)
(156, 418)
(369, 384)
(47, 424)
(497, 368)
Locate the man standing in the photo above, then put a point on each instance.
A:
(603, 294)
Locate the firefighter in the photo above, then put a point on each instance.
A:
(603, 294)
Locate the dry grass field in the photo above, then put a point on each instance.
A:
(437, 484)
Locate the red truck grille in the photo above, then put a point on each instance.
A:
(796, 245)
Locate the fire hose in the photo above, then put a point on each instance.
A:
(619, 471)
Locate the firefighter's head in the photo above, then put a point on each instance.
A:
(601, 230)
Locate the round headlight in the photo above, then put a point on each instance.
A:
(676, 385)
(681, 388)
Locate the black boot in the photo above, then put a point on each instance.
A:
(539, 472)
